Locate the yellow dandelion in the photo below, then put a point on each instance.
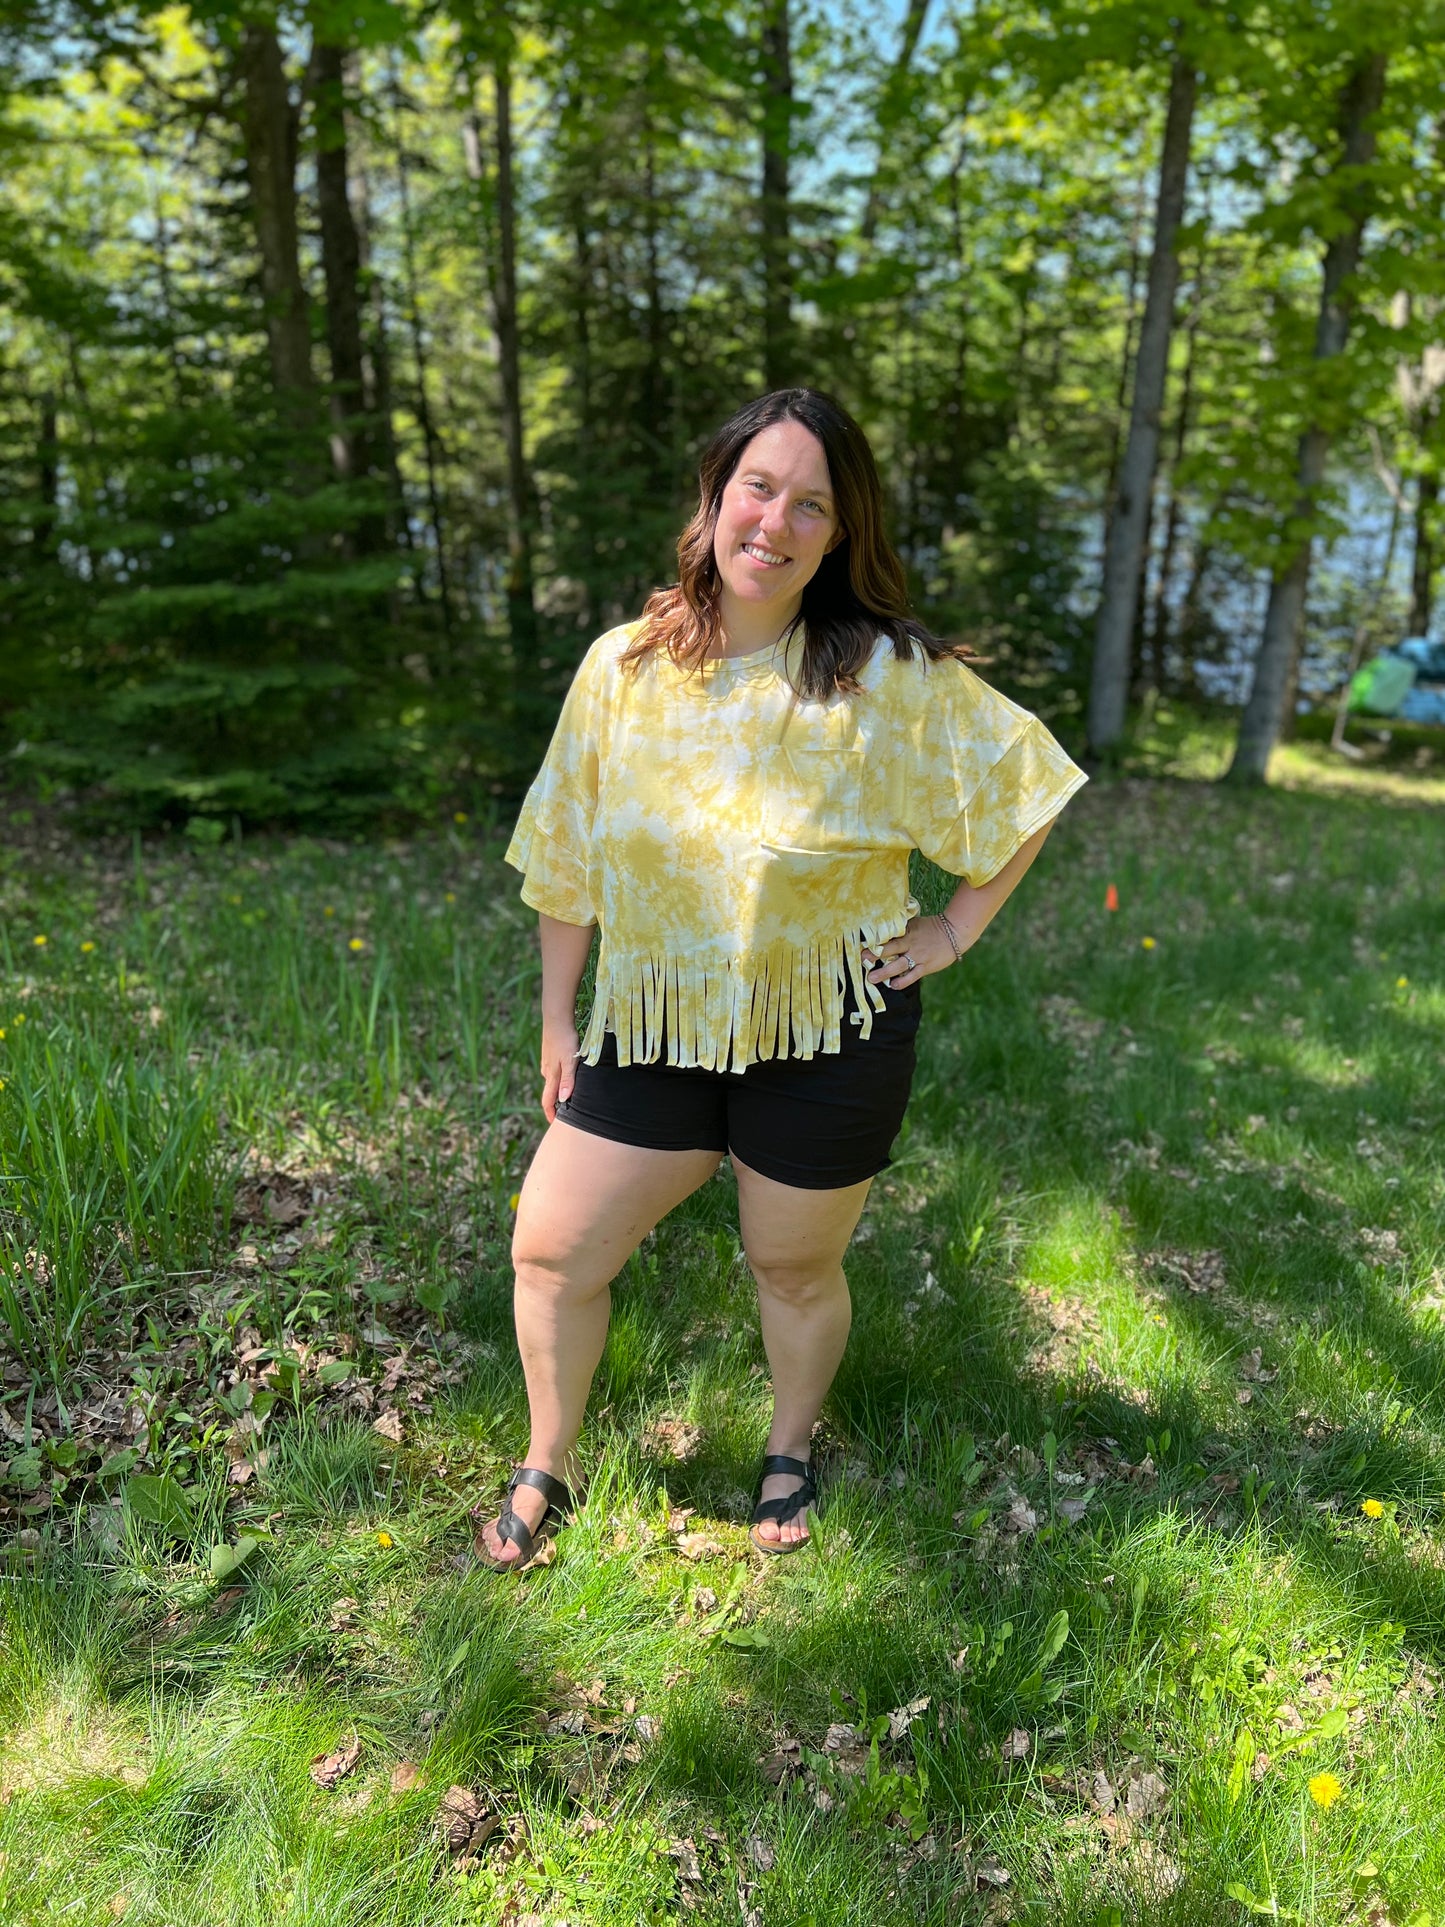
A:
(1325, 1789)
(233, 898)
(2, 1037)
(459, 816)
(385, 1541)
(1148, 943)
(87, 947)
(451, 896)
(1372, 1509)
(20, 1017)
(40, 942)
(1402, 983)
(328, 911)
(356, 943)
(515, 1199)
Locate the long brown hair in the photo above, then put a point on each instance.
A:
(858, 592)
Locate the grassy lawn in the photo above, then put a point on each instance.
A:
(1127, 1601)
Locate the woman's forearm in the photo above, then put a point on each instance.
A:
(564, 957)
(971, 910)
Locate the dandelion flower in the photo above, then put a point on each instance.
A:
(385, 1541)
(356, 943)
(20, 1019)
(1402, 983)
(1148, 943)
(1325, 1789)
(515, 1200)
(40, 942)
(328, 911)
(459, 816)
(451, 896)
(1372, 1509)
(87, 947)
(2, 1037)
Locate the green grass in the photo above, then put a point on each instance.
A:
(256, 1193)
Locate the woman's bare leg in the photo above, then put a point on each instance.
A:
(586, 1205)
(795, 1240)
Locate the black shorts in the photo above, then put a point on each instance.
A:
(819, 1123)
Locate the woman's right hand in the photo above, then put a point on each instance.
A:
(560, 1051)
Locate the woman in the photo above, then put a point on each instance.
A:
(732, 793)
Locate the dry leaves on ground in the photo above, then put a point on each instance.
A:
(405, 1775)
(465, 1822)
(328, 1768)
(671, 1438)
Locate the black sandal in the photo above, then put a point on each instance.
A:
(529, 1542)
(783, 1510)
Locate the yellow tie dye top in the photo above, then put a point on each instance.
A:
(739, 845)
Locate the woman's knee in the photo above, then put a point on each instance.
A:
(798, 1282)
(549, 1268)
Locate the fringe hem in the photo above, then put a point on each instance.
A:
(724, 1014)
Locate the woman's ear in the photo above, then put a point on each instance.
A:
(840, 534)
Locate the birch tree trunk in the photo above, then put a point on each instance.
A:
(1259, 727)
(776, 189)
(1422, 564)
(1124, 545)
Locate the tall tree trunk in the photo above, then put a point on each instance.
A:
(1124, 545)
(1259, 727)
(777, 62)
(268, 128)
(1160, 615)
(351, 446)
(521, 494)
(431, 442)
(379, 389)
(1422, 567)
(657, 442)
(47, 462)
(889, 106)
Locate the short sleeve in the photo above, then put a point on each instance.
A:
(551, 844)
(986, 776)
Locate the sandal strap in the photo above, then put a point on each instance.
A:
(509, 1526)
(558, 1498)
(785, 1509)
(779, 1462)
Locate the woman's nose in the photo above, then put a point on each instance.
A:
(775, 519)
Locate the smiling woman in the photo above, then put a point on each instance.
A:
(732, 794)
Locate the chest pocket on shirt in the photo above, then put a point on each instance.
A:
(814, 796)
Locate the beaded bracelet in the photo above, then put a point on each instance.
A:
(951, 934)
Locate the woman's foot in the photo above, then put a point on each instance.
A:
(535, 1499)
(780, 1519)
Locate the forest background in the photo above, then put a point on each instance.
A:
(355, 359)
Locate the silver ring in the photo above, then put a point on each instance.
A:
(908, 962)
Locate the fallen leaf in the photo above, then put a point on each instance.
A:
(671, 1438)
(646, 1728)
(704, 1601)
(1101, 1793)
(689, 1867)
(241, 1473)
(389, 1425)
(1018, 1745)
(465, 1821)
(226, 1598)
(1020, 1518)
(327, 1768)
(1148, 1795)
(902, 1717)
(405, 1775)
(699, 1545)
(343, 1615)
(990, 1873)
(783, 1763)
(761, 1853)
(1073, 1509)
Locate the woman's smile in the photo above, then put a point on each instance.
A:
(765, 557)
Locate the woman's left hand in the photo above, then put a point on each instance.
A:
(919, 952)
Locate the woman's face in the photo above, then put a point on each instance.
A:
(777, 519)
